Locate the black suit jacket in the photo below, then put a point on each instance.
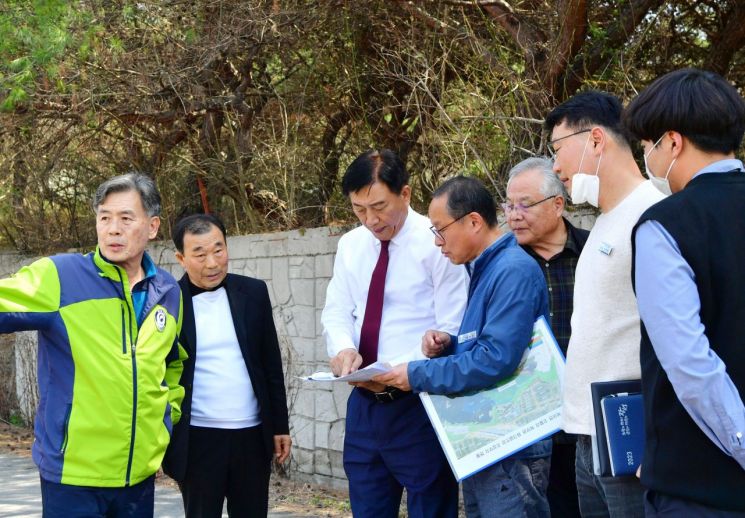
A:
(257, 337)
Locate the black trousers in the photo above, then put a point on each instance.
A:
(222, 464)
(658, 505)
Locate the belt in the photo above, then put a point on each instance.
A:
(388, 395)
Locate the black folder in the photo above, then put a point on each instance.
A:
(600, 390)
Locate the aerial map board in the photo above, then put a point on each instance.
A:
(479, 429)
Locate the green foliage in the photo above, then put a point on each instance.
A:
(15, 96)
(16, 419)
(36, 38)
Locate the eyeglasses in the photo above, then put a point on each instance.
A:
(550, 144)
(521, 207)
(438, 231)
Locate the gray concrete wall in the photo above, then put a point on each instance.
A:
(297, 267)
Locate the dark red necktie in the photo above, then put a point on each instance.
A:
(374, 309)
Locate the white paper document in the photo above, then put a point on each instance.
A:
(365, 374)
(482, 428)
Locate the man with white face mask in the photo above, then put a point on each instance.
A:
(593, 159)
(662, 183)
(689, 251)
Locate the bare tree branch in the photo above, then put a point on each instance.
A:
(727, 42)
(594, 57)
(528, 37)
(571, 38)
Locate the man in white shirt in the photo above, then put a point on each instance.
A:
(594, 160)
(390, 284)
(235, 410)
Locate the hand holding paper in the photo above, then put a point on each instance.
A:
(398, 377)
(346, 361)
(365, 374)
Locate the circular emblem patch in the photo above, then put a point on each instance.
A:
(160, 320)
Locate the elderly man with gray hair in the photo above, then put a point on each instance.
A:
(109, 359)
(534, 209)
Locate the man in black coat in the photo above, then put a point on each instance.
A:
(234, 415)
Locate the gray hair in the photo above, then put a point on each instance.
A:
(552, 185)
(138, 182)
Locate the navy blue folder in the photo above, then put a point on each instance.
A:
(624, 441)
(623, 417)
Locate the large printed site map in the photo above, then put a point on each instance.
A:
(482, 428)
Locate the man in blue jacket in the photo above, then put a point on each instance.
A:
(507, 293)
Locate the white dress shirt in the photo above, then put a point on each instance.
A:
(423, 290)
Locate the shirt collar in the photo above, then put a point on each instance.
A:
(196, 290)
(571, 243)
(148, 266)
(721, 166)
(489, 250)
(401, 234)
(109, 269)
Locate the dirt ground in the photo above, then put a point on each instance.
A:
(285, 495)
(14, 439)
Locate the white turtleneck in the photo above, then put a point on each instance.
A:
(223, 396)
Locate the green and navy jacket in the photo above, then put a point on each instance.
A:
(108, 384)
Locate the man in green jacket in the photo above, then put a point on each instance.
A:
(109, 359)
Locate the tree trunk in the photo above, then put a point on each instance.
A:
(27, 386)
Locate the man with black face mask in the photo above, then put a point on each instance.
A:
(586, 135)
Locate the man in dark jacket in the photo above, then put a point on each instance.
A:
(536, 198)
(235, 410)
(688, 259)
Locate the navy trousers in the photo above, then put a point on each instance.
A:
(66, 501)
(391, 446)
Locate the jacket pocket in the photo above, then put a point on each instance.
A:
(65, 428)
(167, 419)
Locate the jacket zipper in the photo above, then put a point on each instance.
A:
(124, 334)
(132, 348)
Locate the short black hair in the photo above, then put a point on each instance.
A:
(700, 105)
(590, 108)
(465, 195)
(375, 165)
(196, 224)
